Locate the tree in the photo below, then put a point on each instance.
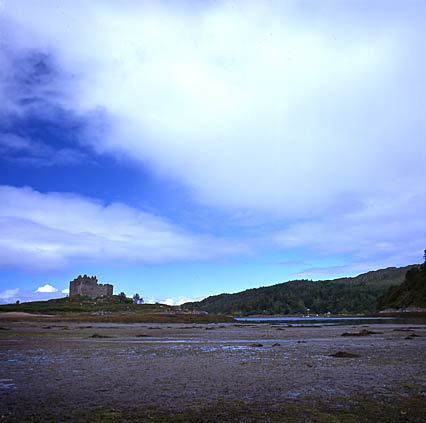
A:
(137, 299)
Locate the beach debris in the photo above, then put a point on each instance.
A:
(344, 354)
(412, 336)
(97, 335)
(364, 332)
(276, 344)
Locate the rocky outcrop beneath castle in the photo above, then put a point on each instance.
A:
(88, 286)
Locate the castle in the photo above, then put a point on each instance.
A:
(88, 286)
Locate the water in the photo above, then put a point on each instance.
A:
(7, 384)
(332, 321)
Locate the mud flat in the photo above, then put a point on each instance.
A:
(100, 372)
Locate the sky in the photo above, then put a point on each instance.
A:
(180, 149)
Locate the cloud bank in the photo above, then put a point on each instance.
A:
(391, 228)
(53, 230)
(307, 115)
(290, 109)
(172, 301)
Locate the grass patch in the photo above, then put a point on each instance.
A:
(353, 409)
(112, 310)
(107, 416)
(81, 304)
(340, 410)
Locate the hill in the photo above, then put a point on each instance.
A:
(116, 308)
(356, 295)
(411, 294)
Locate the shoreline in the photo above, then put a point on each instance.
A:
(182, 317)
(195, 372)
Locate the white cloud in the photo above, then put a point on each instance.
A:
(43, 293)
(8, 294)
(172, 301)
(283, 108)
(386, 232)
(65, 291)
(54, 230)
(46, 288)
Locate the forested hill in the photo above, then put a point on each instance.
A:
(411, 294)
(355, 295)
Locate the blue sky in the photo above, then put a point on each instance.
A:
(183, 149)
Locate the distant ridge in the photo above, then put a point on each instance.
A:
(352, 295)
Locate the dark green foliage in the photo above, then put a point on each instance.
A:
(411, 293)
(357, 295)
(137, 299)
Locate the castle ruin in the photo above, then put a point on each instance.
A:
(88, 286)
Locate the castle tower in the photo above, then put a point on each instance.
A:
(88, 286)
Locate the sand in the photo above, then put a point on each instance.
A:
(14, 315)
(70, 372)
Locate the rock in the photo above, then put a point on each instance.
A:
(364, 332)
(412, 336)
(255, 345)
(96, 335)
(344, 354)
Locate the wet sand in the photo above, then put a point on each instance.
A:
(68, 372)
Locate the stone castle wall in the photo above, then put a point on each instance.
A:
(88, 286)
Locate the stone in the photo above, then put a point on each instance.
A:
(88, 286)
(344, 354)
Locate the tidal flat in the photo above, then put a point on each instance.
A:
(52, 371)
